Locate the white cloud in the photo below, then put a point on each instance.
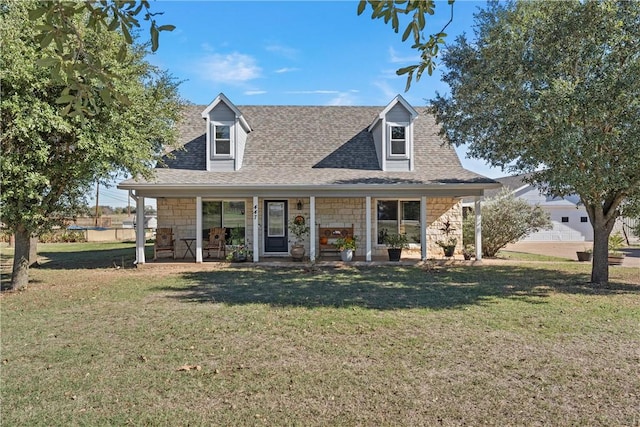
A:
(282, 50)
(254, 92)
(338, 97)
(343, 98)
(207, 47)
(388, 92)
(312, 92)
(231, 68)
(394, 58)
(286, 70)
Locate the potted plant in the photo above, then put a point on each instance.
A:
(615, 244)
(449, 244)
(395, 244)
(584, 256)
(469, 252)
(239, 250)
(346, 246)
(299, 228)
(239, 253)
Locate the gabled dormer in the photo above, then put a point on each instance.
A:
(227, 132)
(392, 134)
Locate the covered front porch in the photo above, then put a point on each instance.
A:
(261, 222)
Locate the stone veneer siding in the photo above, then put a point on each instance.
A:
(180, 214)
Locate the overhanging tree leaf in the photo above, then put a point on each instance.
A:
(394, 10)
(553, 89)
(64, 23)
(55, 145)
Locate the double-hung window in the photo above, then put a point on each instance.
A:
(221, 141)
(397, 140)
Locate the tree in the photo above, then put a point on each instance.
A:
(60, 33)
(506, 219)
(553, 89)
(392, 11)
(49, 158)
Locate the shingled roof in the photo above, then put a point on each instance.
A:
(311, 145)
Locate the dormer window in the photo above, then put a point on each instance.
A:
(222, 143)
(397, 140)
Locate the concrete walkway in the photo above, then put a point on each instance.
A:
(569, 249)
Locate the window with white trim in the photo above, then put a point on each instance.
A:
(221, 141)
(397, 140)
(398, 216)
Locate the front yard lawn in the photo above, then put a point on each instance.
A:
(507, 344)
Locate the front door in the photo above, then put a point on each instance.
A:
(275, 232)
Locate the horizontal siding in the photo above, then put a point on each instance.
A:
(398, 114)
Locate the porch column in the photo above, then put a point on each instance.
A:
(478, 229)
(312, 228)
(199, 229)
(423, 228)
(256, 231)
(140, 240)
(367, 221)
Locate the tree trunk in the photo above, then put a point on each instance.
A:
(600, 265)
(20, 276)
(33, 251)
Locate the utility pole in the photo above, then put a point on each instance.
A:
(97, 195)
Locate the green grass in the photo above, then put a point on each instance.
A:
(508, 344)
(524, 256)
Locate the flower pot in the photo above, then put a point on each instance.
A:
(297, 252)
(448, 251)
(467, 257)
(346, 255)
(239, 257)
(615, 259)
(324, 240)
(394, 254)
(584, 256)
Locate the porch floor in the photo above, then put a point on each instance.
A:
(407, 260)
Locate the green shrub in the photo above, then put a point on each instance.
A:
(505, 219)
(62, 236)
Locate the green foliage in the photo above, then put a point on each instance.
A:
(344, 243)
(616, 241)
(507, 219)
(51, 158)
(395, 10)
(62, 236)
(62, 32)
(299, 228)
(469, 250)
(553, 89)
(636, 228)
(237, 236)
(469, 230)
(396, 241)
(449, 244)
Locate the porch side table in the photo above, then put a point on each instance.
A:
(188, 241)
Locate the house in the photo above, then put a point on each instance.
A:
(568, 216)
(253, 169)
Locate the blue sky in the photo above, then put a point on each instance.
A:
(295, 53)
(292, 52)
